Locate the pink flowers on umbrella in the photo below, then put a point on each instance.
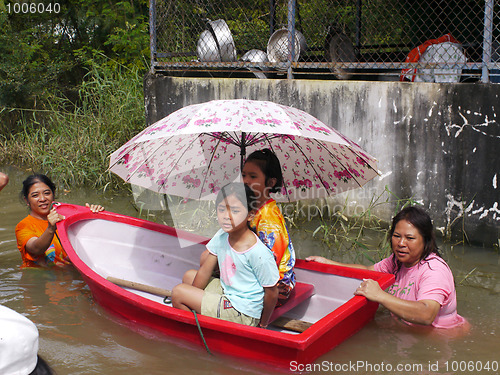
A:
(191, 182)
(287, 137)
(125, 158)
(207, 122)
(213, 187)
(320, 129)
(361, 161)
(271, 122)
(346, 174)
(162, 179)
(220, 137)
(354, 172)
(144, 169)
(302, 184)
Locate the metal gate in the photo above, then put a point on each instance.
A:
(415, 40)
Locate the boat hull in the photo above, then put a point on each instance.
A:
(335, 313)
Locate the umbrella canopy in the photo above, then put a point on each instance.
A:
(196, 150)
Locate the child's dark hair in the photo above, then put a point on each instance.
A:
(33, 179)
(270, 165)
(243, 192)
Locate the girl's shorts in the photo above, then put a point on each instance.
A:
(217, 305)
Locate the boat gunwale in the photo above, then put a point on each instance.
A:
(298, 341)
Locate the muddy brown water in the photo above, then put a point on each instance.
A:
(77, 336)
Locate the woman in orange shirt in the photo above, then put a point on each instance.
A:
(36, 234)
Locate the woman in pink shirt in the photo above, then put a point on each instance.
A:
(424, 290)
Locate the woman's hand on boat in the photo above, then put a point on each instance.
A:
(53, 217)
(419, 312)
(316, 258)
(370, 289)
(95, 207)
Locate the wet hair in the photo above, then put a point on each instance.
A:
(270, 165)
(421, 220)
(33, 179)
(42, 368)
(242, 192)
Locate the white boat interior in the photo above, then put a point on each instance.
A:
(157, 259)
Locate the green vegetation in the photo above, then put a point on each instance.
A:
(72, 143)
(71, 85)
(49, 54)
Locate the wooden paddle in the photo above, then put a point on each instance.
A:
(291, 324)
(142, 287)
(282, 322)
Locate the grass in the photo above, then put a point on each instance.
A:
(71, 142)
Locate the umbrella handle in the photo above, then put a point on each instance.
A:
(243, 151)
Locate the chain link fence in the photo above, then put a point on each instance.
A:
(415, 40)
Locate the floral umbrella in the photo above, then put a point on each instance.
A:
(196, 150)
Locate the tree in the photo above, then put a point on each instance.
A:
(45, 52)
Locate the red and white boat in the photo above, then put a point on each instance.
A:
(108, 245)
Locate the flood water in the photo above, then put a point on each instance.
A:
(79, 337)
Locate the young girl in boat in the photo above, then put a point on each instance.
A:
(262, 172)
(247, 290)
(36, 233)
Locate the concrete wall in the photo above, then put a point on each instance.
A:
(436, 143)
